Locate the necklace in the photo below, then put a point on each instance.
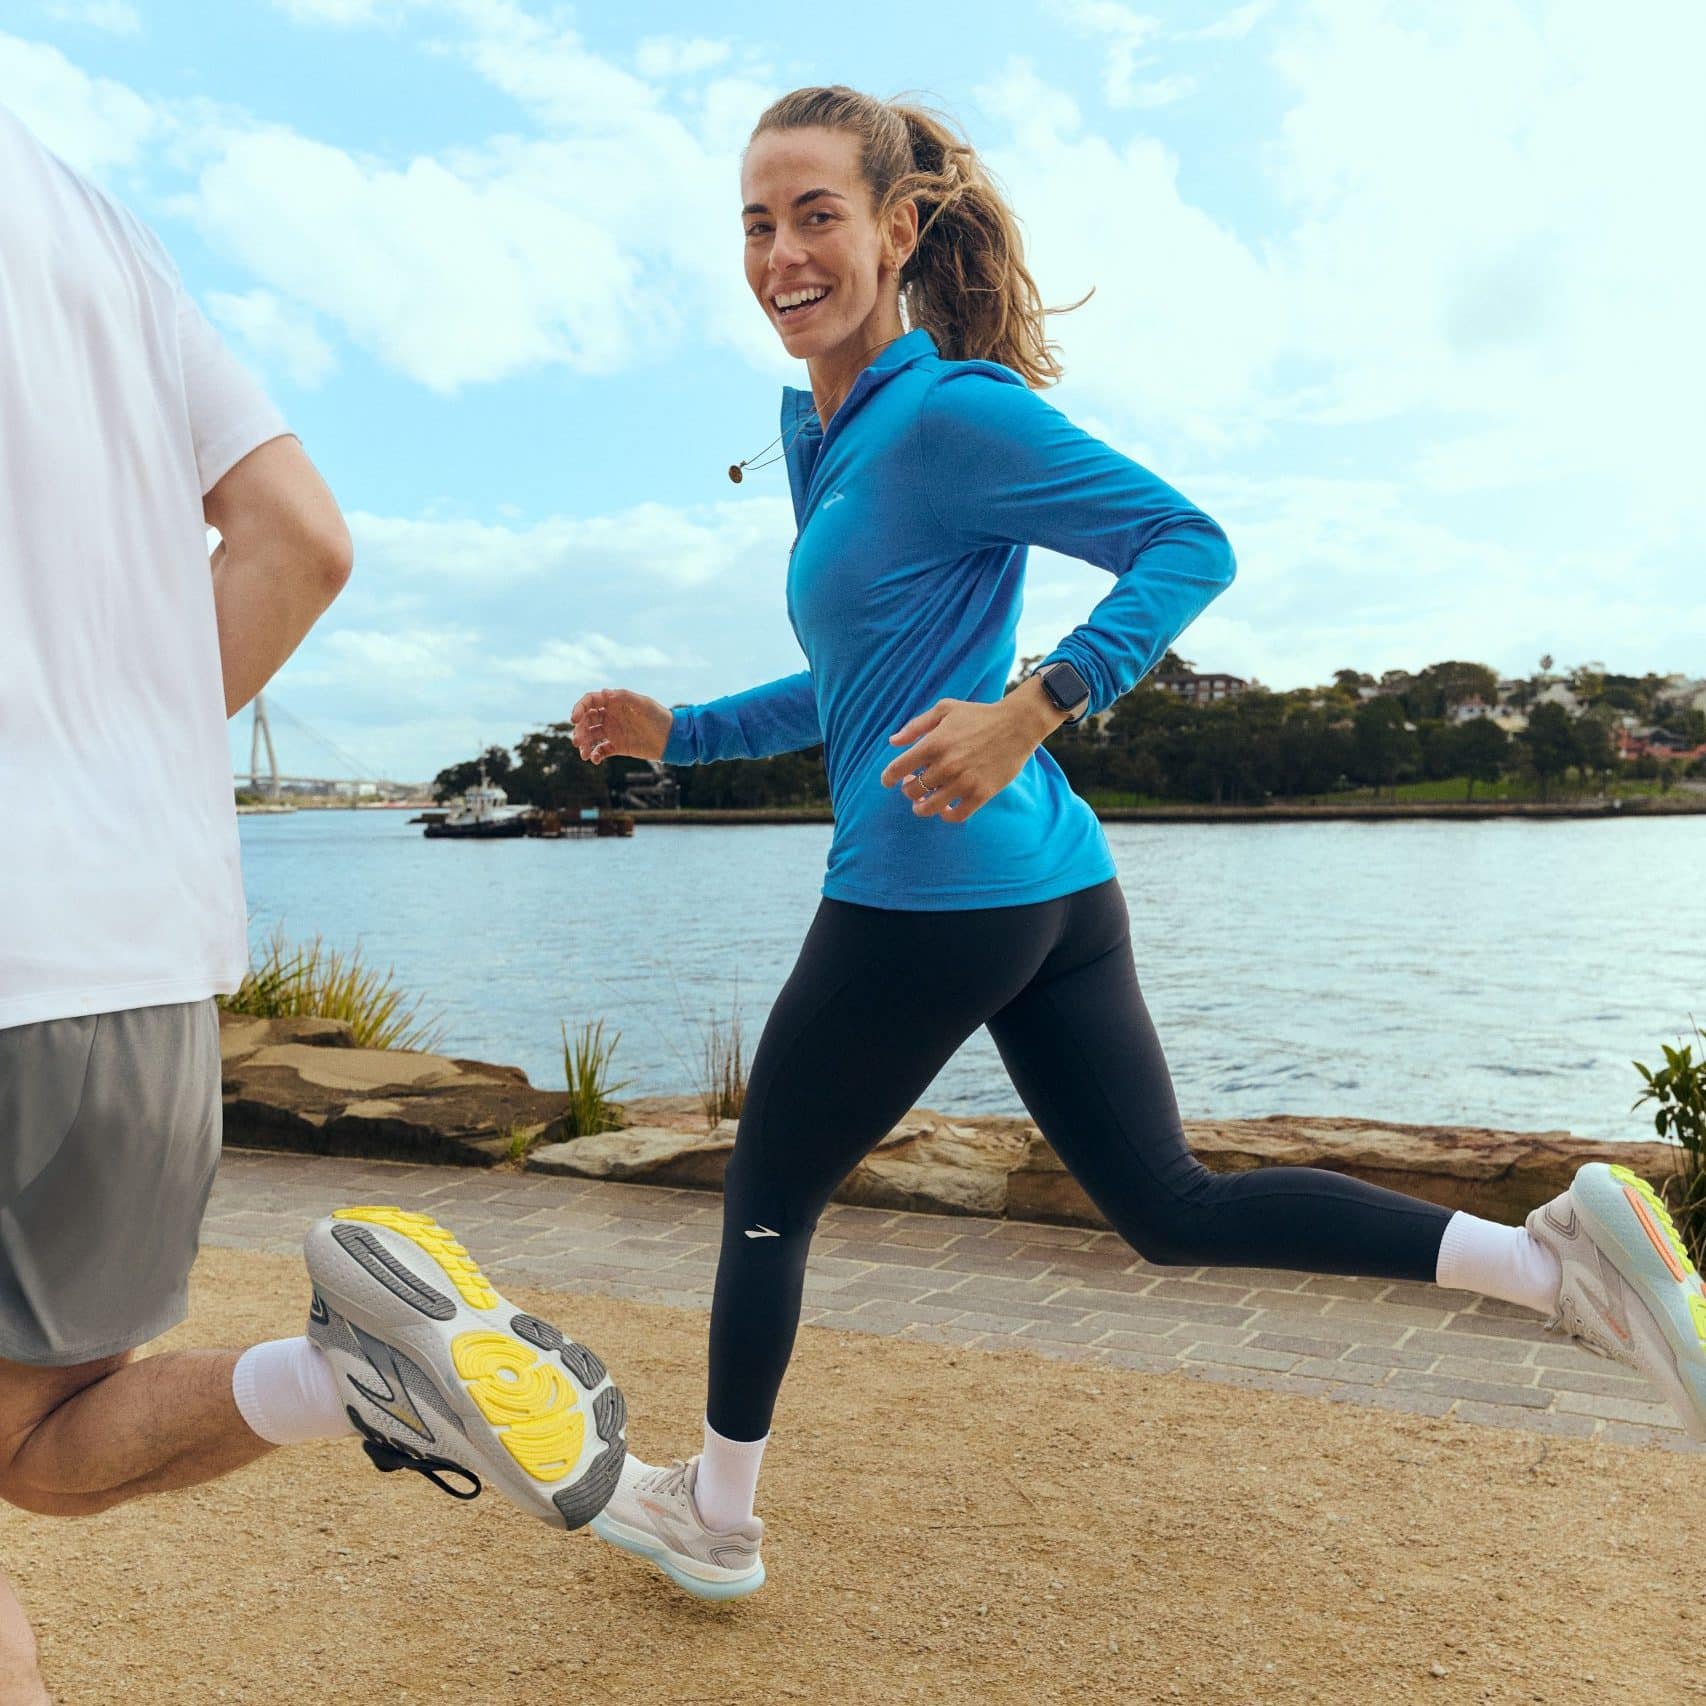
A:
(736, 468)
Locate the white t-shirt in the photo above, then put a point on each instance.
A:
(120, 883)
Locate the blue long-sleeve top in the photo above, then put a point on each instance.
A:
(915, 508)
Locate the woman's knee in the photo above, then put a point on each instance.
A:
(1173, 1228)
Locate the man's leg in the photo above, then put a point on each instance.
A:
(20, 1674)
(78, 1440)
(74, 1441)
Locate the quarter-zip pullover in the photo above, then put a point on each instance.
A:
(915, 507)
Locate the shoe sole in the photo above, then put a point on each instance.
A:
(643, 1545)
(1626, 1218)
(523, 1393)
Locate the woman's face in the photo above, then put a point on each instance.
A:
(815, 257)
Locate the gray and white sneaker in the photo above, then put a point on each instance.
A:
(654, 1515)
(1630, 1291)
(441, 1375)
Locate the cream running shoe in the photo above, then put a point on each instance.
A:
(1630, 1291)
(441, 1375)
(654, 1514)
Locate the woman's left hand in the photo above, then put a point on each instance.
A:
(966, 754)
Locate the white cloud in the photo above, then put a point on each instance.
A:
(651, 541)
(114, 17)
(677, 56)
(279, 334)
(383, 660)
(1233, 27)
(582, 662)
(95, 124)
(342, 13)
(1185, 323)
(1160, 92)
(451, 277)
(484, 261)
(1124, 37)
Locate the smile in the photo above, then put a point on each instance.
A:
(792, 304)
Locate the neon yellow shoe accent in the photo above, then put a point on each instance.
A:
(531, 1405)
(422, 1229)
(1677, 1258)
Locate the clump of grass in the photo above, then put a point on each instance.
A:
(586, 1067)
(722, 1083)
(520, 1139)
(310, 980)
(1679, 1089)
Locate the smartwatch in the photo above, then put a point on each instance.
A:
(1067, 690)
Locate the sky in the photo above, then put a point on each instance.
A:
(1406, 298)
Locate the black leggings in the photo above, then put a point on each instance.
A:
(880, 1000)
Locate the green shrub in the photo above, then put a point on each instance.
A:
(1679, 1089)
(313, 981)
(586, 1065)
(722, 1084)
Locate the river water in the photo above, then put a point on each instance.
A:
(1501, 973)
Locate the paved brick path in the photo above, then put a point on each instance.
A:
(1052, 1290)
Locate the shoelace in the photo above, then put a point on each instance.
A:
(390, 1454)
(668, 1481)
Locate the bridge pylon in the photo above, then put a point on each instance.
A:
(262, 732)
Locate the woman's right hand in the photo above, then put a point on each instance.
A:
(611, 722)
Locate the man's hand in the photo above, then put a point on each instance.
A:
(968, 752)
(613, 722)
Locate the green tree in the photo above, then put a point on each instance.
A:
(551, 774)
(1482, 751)
(1381, 745)
(1593, 747)
(1552, 744)
(454, 779)
(1441, 686)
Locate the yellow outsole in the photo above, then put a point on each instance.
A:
(532, 1406)
(476, 1290)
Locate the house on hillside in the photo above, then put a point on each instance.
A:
(1559, 693)
(1506, 717)
(1203, 688)
(1631, 740)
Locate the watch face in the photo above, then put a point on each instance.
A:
(1065, 686)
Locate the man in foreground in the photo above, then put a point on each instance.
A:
(126, 429)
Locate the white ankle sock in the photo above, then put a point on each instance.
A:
(728, 1479)
(286, 1391)
(1498, 1261)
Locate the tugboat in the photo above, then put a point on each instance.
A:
(482, 814)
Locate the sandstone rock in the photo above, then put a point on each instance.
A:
(642, 1154)
(302, 1084)
(240, 1036)
(936, 1165)
(1498, 1174)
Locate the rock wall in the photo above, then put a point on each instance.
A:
(301, 1084)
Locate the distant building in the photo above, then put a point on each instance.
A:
(1506, 717)
(1203, 688)
(1633, 741)
(1559, 693)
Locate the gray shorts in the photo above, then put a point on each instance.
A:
(109, 1140)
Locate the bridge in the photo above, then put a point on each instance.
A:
(265, 778)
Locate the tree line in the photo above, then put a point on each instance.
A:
(1355, 733)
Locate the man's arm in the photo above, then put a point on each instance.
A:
(284, 555)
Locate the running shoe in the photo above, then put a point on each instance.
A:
(1629, 1291)
(442, 1376)
(654, 1514)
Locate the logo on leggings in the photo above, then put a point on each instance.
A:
(761, 1231)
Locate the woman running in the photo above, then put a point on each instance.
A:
(967, 884)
